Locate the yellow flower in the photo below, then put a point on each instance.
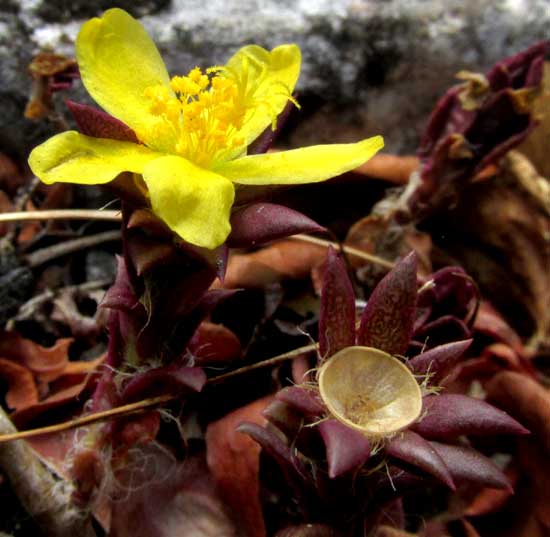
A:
(194, 129)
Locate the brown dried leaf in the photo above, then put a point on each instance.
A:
(524, 399)
(22, 390)
(68, 392)
(214, 343)
(47, 363)
(529, 402)
(287, 259)
(502, 240)
(392, 168)
(488, 501)
(234, 460)
(376, 234)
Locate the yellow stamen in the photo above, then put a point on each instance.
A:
(207, 111)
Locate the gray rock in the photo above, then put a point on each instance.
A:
(369, 66)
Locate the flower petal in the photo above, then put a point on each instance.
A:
(71, 157)
(194, 202)
(305, 165)
(268, 79)
(118, 61)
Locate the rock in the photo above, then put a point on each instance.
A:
(369, 66)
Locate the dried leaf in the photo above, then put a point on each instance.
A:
(214, 344)
(392, 168)
(504, 245)
(524, 399)
(282, 260)
(22, 391)
(234, 461)
(47, 363)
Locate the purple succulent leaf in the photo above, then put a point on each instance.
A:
(346, 449)
(292, 467)
(212, 298)
(413, 449)
(525, 66)
(215, 260)
(389, 316)
(265, 222)
(145, 253)
(467, 464)
(455, 291)
(93, 122)
(439, 360)
(284, 417)
(451, 415)
(424, 307)
(302, 399)
(445, 328)
(106, 395)
(164, 380)
(120, 295)
(337, 310)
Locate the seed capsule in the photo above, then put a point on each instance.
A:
(370, 391)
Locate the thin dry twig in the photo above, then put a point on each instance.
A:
(27, 309)
(114, 216)
(62, 214)
(349, 250)
(68, 247)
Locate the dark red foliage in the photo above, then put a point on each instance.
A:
(337, 309)
(259, 223)
(99, 124)
(448, 416)
(346, 448)
(388, 319)
(413, 449)
(461, 138)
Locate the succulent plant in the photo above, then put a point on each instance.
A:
(370, 423)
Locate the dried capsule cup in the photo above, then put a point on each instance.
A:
(370, 391)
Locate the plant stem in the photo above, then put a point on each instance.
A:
(148, 403)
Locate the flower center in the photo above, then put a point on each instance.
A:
(205, 112)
